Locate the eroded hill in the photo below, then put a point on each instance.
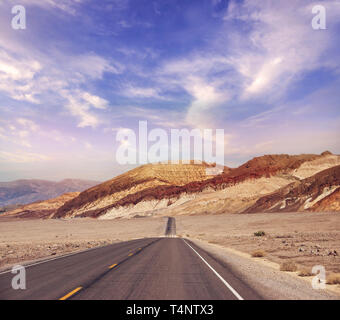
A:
(41, 209)
(319, 192)
(96, 200)
(186, 189)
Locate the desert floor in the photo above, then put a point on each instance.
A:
(307, 239)
(27, 240)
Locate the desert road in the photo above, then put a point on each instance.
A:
(166, 268)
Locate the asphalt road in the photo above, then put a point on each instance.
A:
(170, 230)
(151, 268)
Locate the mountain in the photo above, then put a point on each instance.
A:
(320, 192)
(28, 191)
(41, 209)
(185, 189)
(94, 201)
(329, 203)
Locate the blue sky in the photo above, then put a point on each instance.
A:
(82, 69)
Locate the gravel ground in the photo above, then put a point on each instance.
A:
(305, 238)
(266, 278)
(23, 241)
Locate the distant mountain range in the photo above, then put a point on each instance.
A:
(39, 209)
(28, 191)
(270, 183)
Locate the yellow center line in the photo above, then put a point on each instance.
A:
(130, 254)
(110, 267)
(71, 293)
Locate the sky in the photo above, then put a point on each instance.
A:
(83, 69)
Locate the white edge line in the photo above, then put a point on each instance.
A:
(217, 274)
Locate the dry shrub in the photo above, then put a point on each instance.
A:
(305, 273)
(258, 254)
(333, 278)
(288, 266)
(259, 233)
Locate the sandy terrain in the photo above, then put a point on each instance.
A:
(304, 238)
(267, 279)
(26, 240)
(307, 239)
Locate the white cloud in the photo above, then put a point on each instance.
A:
(93, 65)
(79, 104)
(26, 123)
(43, 78)
(20, 133)
(81, 111)
(22, 157)
(280, 45)
(166, 118)
(16, 76)
(195, 75)
(205, 96)
(68, 6)
(95, 101)
(261, 61)
(140, 92)
(29, 73)
(25, 79)
(261, 119)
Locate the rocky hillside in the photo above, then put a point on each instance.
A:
(319, 192)
(185, 189)
(329, 203)
(41, 209)
(148, 177)
(28, 191)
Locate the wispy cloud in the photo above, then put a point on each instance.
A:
(68, 6)
(22, 157)
(31, 125)
(80, 103)
(142, 92)
(279, 45)
(255, 68)
(166, 118)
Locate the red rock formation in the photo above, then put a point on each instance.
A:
(259, 167)
(297, 195)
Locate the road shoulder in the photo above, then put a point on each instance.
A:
(266, 278)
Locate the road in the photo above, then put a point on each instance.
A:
(170, 230)
(151, 268)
